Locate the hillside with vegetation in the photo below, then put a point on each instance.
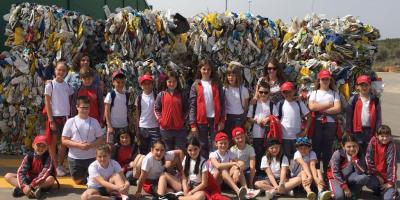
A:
(388, 58)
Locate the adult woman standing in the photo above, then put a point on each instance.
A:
(81, 60)
(325, 103)
(273, 75)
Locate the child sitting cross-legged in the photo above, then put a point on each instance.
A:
(276, 166)
(106, 177)
(36, 172)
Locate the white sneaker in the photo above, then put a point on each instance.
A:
(252, 193)
(61, 171)
(290, 193)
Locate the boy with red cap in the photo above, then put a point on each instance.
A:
(246, 157)
(291, 111)
(225, 166)
(363, 114)
(35, 173)
(116, 107)
(148, 128)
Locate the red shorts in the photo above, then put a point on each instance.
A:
(60, 122)
(150, 186)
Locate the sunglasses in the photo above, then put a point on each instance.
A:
(84, 107)
(263, 92)
(325, 79)
(271, 68)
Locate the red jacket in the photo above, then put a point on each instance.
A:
(34, 170)
(381, 160)
(170, 109)
(197, 114)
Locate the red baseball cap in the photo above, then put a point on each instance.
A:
(145, 77)
(363, 79)
(324, 74)
(118, 73)
(40, 139)
(237, 131)
(286, 86)
(220, 136)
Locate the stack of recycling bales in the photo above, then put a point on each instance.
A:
(156, 42)
(344, 45)
(37, 35)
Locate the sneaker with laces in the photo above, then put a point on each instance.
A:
(324, 195)
(290, 193)
(252, 193)
(17, 192)
(311, 196)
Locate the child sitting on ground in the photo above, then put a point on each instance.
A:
(305, 161)
(276, 166)
(381, 163)
(125, 152)
(226, 168)
(35, 173)
(246, 157)
(106, 177)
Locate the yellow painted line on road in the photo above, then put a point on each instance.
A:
(65, 182)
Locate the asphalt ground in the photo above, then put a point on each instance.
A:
(70, 191)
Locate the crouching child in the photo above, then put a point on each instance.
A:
(36, 172)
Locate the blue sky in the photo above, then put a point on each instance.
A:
(383, 14)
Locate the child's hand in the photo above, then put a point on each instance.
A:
(347, 193)
(53, 126)
(84, 146)
(265, 121)
(253, 100)
(386, 186)
(186, 192)
(27, 190)
(110, 130)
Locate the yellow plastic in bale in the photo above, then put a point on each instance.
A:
(80, 31)
(259, 43)
(365, 39)
(304, 71)
(219, 33)
(50, 40)
(58, 44)
(317, 39)
(33, 66)
(25, 92)
(345, 90)
(274, 43)
(1, 89)
(368, 28)
(288, 36)
(18, 36)
(329, 47)
(212, 19)
(184, 38)
(158, 23)
(37, 36)
(28, 142)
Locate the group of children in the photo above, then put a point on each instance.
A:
(251, 144)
